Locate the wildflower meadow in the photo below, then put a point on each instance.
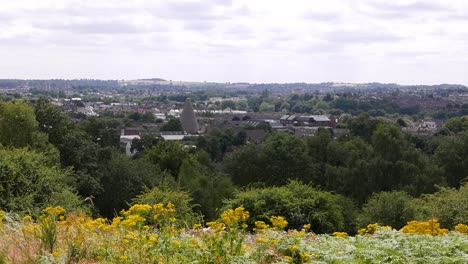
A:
(153, 234)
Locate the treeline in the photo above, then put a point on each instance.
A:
(85, 164)
(339, 103)
(375, 173)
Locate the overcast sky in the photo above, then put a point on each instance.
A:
(407, 42)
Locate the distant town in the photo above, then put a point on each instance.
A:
(145, 106)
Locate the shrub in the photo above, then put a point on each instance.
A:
(387, 208)
(180, 199)
(28, 183)
(449, 206)
(299, 204)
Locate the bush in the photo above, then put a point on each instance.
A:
(449, 206)
(28, 183)
(387, 208)
(299, 203)
(180, 199)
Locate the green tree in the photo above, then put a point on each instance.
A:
(266, 107)
(30, 181)
(167, 155)
(76, 148)
(284, 158)
(349, 168)
(122, 179)
(388, 142)
(317, 148)
(448, 205)
(363, 126)
(172, 125)
(388, 208)
(457, 124)
(241, 172)
(452, 156)
(207, 189)
(18, 124)
(147, 117)
(103, 131)
(280, 158)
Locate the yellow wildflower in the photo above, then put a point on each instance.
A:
(138, 209)
(217, 226)
(197, 226)
(259, 240)
(2, 216)
(233, 217)
(176, 243)
(278, 222)
(133, 221)
(370, 229)
(293, 248)
(260, 226)
(305, 256)
(340, 234)
(462, 228)
(54, 211)
(27, 219)
(431, 227)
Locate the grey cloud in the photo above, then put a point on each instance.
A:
(242, 11)
(455, 17)
(392, 10)
(411, 54)
(238, 31)
(222, 2)
(321, 47)
(199, 25)
(99, 27)
(16, 41)
(86, 11)
(200, 16)
(187, 11)
(360, 36)
(6, 17)
(226, 47)
(410, 7)
(326, 17)
(104, 28)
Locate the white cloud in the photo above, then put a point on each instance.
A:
(236, 40)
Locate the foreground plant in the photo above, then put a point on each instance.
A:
(151, 234)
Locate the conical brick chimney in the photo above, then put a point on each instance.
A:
(188, 119)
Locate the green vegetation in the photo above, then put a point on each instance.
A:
(372, 174)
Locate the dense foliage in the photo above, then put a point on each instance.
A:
(300, 204)
(375, 173)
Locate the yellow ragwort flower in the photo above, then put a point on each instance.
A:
(278, 222)
(462, 228)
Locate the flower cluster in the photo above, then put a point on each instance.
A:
(431, 227)
(235, 216)
(462, 228)
(278, 222)
(340, 234)
(371, 229)
(53, 211)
